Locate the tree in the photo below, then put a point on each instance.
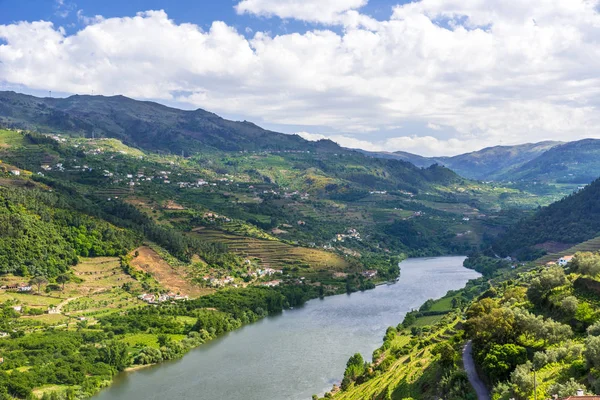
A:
(569, 388)
(592, 351)
(569, 306)
(115, 354)
(587, 263)
(164, 340)
(500, 360)
(522, 379)
(446, 352)
(38, 281)
(62, 279)
(540, 287)
(354, 368)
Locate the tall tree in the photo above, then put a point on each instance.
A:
(38, 281)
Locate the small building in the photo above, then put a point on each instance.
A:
(564, 261)
(17, 308)
(53, 310)
(25, 289)
(581, 396)
(369, 274)
(15, 172)
(148, 298)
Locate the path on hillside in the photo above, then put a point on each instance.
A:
(480, 389)
(65, 302)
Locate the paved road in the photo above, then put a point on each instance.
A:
(480, 389)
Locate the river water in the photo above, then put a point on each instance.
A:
(300, 352)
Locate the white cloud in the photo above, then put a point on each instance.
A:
(323, 11)
(485, 72)
(85, 20)
(63, 8)
(422, 145)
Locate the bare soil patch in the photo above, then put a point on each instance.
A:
(174, 279)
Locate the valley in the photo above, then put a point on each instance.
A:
(125, 243)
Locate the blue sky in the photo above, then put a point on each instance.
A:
(433, 77)
(200, 12)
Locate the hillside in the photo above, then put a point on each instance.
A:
(144, 124)
(494, 162)
(419, 161)
(574, 162)
(572, 220)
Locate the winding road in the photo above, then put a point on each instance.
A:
(480, 389)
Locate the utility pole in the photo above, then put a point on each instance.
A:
(534, 385)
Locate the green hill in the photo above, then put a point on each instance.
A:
(575, 162)
(144, 124)
(495, 162)
(572, 220)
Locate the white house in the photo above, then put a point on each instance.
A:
(565, 260)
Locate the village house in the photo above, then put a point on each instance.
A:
(163, 297)
(580, 395)
(15, 172)
(25, 288)
(369, 274)
(178, 297)
(271, 283)
(17, 308)
(53, 310)
(148, 298)
(564, 261)
(3, 334)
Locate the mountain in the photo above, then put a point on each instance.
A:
(548, 162)
(574, 219)
(145, 124)
(419, 161)
(494, 162)
(573, 162)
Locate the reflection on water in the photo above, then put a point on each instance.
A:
(300, 352)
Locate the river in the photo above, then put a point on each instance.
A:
(298, 353)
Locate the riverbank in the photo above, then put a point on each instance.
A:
(310, 343)
(419, 358)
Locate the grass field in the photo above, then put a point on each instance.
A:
(10, 138)
(147, 340)
(274, 253)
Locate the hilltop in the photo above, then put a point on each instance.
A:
(144, 124)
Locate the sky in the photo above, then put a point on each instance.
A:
(431, 77)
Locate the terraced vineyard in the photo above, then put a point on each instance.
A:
(591, 245)
(409, 372)
(273, 253)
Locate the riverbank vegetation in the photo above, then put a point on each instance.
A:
(89, 226)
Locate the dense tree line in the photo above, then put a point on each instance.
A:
(572, 220)
(39, 236)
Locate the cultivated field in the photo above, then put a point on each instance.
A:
(274, 253)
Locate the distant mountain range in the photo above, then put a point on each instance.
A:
(572, 162)
(152, 126)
